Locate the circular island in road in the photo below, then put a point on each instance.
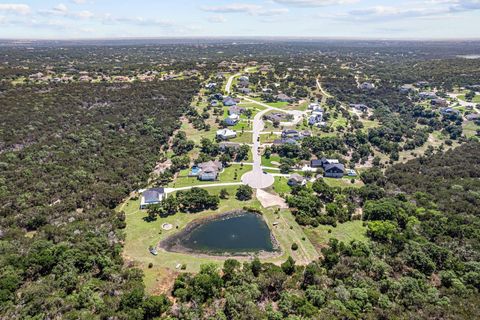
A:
(258, 179)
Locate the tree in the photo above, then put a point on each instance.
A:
(289, 266)
(155, 306)
(244, 193)
(224, 194)
(381, 230)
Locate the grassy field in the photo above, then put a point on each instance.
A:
(269, 138)
(230, 174)
(280, 185)
(470, 129)
(475, 99)
(268, 162)
(343, 183)
(245, 137)
(159, 278)
(346, 232)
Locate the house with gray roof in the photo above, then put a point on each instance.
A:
(152, 196)
(209, 170)
(334, 170)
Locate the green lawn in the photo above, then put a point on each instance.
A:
(246, 125)
(230, 174)
(343, 183)
(245, 137)
(159, 278)
(470, 129)
(475, 99)
(269, 138)
(268, 162)
(346, 232)
(280, 185)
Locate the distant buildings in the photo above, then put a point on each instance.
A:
(367, 86)
(283, 98)
(439, 102)
(360, 107)
(427, 95)
(236, 110)
(407, 88)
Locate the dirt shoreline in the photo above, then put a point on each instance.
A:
(172, 243)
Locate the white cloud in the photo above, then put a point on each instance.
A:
(15, 8)
(233, 8)
(79, 1)
(251, 9)
(313, 3)
(85, 14)
(217, 19)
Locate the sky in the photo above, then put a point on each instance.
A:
(91, 19)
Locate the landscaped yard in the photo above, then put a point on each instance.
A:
(346, 232)
(141, 234)
(243, 137)
(475, 99)
(268, 162)
(470, 129)
(344, 182)
(230, 174)
(280, 185)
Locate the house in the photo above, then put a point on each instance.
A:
(243, 84)
(317, 163)
(236, 110)
(334, 170)
(280, 142)
(427, 95)
(305, 134)
(283, 98)
(316, 118)
(228, 145)
(267, 90)
(290, 133)
(229, 101)
(276, 116)
(406, 88)
(439, 102)
(152, 196)
(209, 170)
(211, 85)
(367, 86)
(225, 134)
(244, 79)
(473, 117)
(320, 163)
(244, 90)
(232, 119)
(214, 103)
(359, 107)
(422, 84)
(296, 180)
(313, 106)
(216, 96)
(351, 173)
(449, 111)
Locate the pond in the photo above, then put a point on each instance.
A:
(237, 233)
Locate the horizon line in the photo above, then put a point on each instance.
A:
(432, 39)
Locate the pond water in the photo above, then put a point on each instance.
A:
(245, 232)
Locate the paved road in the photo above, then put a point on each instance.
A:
(228, 87)
(212, 185)
(256, 178)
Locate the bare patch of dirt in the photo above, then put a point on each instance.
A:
(270, 200)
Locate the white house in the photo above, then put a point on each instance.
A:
(226, 134)
(232, 119)
(367, 86)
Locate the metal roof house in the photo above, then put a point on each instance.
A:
(334, 170)
(152, 196)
